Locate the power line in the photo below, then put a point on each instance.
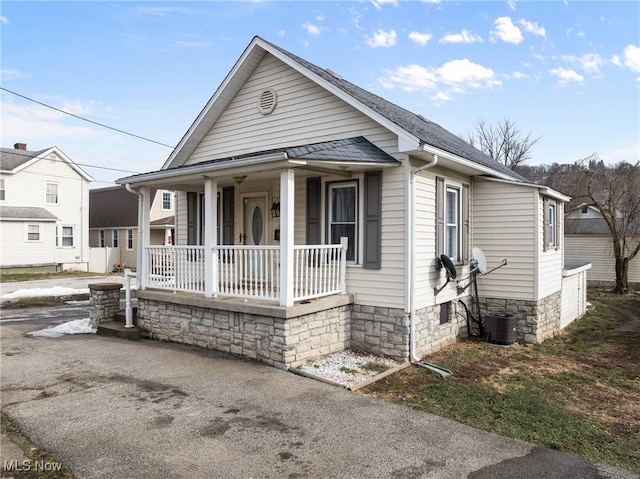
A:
(85, 119)
(17, 153)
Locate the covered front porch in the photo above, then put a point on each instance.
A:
(242, 233)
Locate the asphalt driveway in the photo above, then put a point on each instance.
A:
(111, 408)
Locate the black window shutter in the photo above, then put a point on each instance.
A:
(545, 226)
(440, 191)
(191, 217)
(227, 214)
(313, 211)
(372, 220)
(465, 223)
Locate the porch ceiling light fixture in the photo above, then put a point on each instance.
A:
(239, 179)
(275, 208)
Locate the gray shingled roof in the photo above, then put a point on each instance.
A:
(11, 158)
(357, 149)
(26, 213)
(427, 131)
(166, 221)
(586, 226)
(113, 207)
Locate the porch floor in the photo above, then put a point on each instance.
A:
(248, 305)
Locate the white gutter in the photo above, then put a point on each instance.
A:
(412, 262)
(140, 245)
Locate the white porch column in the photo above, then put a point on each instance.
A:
(210, 238)
(287, 204)
(144, 235)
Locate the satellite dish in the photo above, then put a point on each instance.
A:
(481, 259)
(448, 266)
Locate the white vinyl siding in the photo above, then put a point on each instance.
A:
(550, 263)
(15, 250)
(598, 250)
(306, 113)
(504, 226)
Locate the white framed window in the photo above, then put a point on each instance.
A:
(453, 236)
(67, 236)
(129, 240)
(342, 215)
(3, 189)
(51, 194)
(167, 203)
(115, 239)
(552, 216)
(33, 232)
(100, 238)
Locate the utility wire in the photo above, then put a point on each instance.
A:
(17, 153)
(85, 119)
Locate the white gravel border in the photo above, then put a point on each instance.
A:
(346, 368)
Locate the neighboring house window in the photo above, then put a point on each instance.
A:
(452, 232)
(343, 215)
(130, 240)
(33, 232)
(166, 201)
(51, 193)
(114, 238)
(101, 238)
(3, 191)
(67, 236)
(585, 209)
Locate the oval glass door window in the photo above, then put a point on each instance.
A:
(257, 225)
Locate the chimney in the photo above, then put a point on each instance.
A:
(20, 146)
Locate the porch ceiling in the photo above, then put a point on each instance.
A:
(341, 156)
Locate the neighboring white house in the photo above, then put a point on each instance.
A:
(587, 237)
(44, 209)
(284, 161)
(113, 224)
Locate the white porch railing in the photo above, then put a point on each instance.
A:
(248, 271)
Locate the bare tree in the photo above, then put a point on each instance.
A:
(615, 192)
(503, 142)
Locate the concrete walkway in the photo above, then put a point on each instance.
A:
(110, 408)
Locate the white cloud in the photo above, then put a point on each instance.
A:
(506, 31)
(591, 62)
(566, 76)
(632, 57)
(517, 75)
(320, 17)
(615, 59)
(311, 29)
(512, 5)
(4, 20)
(532, 27)
(6, 75)
(420, 38)
(379, 3)
(465, 36)
(161, 11)
(383, 39)
(280, 33)
(456, 76)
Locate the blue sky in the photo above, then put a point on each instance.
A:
(568, 72)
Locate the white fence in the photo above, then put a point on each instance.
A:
(102, 260)
(248, 271)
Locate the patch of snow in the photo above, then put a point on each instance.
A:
(348, 368)
(77, 326)
(38, 292)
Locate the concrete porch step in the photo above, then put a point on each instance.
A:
(116, 329)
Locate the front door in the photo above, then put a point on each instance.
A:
(254, 220)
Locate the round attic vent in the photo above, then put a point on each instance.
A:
(267, 101)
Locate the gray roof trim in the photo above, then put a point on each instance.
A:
(354, 151)
(26, 213)
(164, 222)
(572, 267)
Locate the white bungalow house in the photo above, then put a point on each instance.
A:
(113, 225)
(311, 216)
(587, 236)
(44, 210)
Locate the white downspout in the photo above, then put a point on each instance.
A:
(139, 251)
(412, 277)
